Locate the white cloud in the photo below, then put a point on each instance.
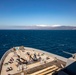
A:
(42, 25)
(55, 25)
(48, 25)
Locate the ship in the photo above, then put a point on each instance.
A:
(30, 61)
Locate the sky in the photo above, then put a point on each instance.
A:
(37, 12)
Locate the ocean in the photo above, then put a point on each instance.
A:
(53, 41)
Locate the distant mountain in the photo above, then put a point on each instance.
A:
(41, 27)
(54, 27)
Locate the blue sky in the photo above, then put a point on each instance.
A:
(37, 12)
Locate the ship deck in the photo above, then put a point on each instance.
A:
(27, 61)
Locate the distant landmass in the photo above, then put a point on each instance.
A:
(41, 27)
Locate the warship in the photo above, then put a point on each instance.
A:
(30, 61)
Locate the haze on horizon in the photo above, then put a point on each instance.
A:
(37, 12)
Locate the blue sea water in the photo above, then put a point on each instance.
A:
(54, 41)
